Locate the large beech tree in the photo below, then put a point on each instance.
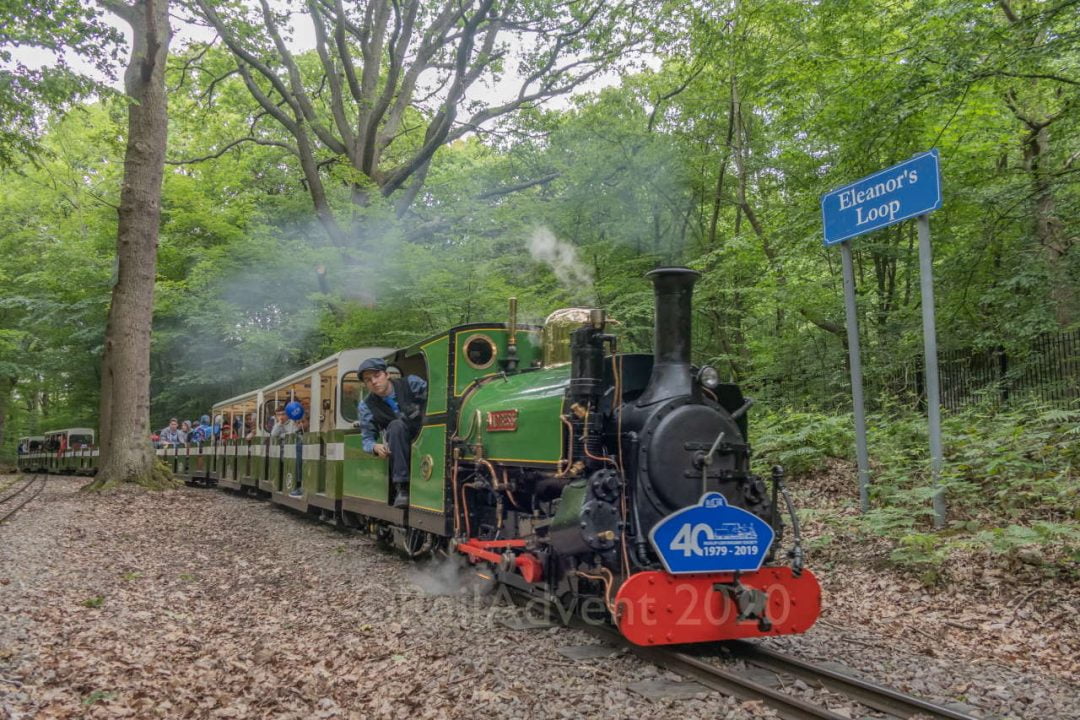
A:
(398, 79)
(124, 419)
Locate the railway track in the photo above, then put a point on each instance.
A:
(13, 501)
(879, 697)
(738, 683)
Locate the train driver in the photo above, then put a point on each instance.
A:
(395, 408)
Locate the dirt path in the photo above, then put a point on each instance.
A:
(200, 604)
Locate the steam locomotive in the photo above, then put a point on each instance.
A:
(550, 461)
(651, 506)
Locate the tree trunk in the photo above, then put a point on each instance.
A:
(126, 453)
(1048, 227)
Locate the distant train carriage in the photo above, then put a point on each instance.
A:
(31, 456)
(71, 451)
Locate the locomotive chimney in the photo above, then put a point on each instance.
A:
(671, 377)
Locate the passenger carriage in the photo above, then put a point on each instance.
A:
(311, 460)
(31, 455)
(70, 451)
(228, 461)
(233, 462)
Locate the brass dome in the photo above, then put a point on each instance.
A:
(556, 335)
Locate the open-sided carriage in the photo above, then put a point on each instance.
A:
(71, 451)
(31, 454)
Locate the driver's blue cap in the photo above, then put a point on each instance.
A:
(374, 363)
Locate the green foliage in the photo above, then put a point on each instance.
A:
(802, 441)
(923, 553)
(94, 602)
(29, 94)
(1011, 480)
(98, 696)
(1012, 537)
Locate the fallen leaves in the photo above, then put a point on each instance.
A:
(208, 605)
(215, 606)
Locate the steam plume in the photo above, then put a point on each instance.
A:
(561, 257)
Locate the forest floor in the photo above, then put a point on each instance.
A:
(1011, 609)
(1000, 632)
(196, 603)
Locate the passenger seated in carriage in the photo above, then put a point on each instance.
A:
(282, 426)
(394, 407)
(170, 434)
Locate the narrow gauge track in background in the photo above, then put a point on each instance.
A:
(892, 703)
(37, 481)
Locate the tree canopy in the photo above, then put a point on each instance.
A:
(366, 192)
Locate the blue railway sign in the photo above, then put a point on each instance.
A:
(909, 189)
(902, 191)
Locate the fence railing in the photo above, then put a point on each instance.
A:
(1046, 369)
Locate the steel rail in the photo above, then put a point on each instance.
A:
(738, 685)
(728, 682)
(870, 694)
(708, 675)
(12, 481)
(30, 481)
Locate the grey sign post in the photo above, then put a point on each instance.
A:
(862, 455)
(933, 401)
(909, 189)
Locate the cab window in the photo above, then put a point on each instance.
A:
(352, 391)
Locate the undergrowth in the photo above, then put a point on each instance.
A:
(1011, 480)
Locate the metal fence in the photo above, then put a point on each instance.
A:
(1045, 369)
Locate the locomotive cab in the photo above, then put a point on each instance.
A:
(455, 364)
